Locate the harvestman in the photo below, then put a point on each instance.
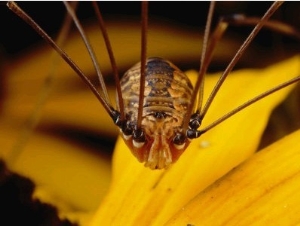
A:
(156, 111)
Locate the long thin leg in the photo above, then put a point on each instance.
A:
(90, 50)
(111, 57)
(19, 12)
(277, 26)
(248, 103)
(198, 89)
(34, 116)
(238, 20)
(143, 61)
(238, 55)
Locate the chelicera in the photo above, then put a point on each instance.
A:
(159, 112)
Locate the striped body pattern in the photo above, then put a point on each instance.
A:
(158, 110)
(167, 96)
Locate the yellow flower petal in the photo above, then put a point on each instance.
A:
(62, 171)
(139, 196)
(23, 85)
(49, 158)
(262, 191)
(83, 112)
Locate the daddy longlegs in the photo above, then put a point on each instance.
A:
(158, 111)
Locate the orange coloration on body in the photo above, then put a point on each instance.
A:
(192, 191)
(167, 96)
(139, 196)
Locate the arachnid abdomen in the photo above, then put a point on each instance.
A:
(167, 96)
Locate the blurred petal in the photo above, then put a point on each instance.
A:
(75, 178)
(66, 167)
(139, 196)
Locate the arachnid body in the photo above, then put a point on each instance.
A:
(158, 111)
(167, 96)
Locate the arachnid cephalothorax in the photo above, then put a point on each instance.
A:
(158, 110)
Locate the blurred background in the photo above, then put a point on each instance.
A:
(19, 39)
(183, 14)
(72, 122)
